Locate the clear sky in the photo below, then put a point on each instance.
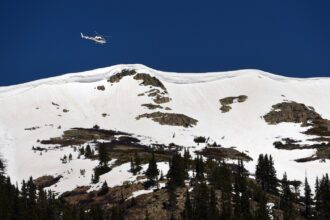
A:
(42, 38)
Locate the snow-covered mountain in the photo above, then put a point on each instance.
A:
(44, 109)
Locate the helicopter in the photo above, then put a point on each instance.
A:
(99, 39)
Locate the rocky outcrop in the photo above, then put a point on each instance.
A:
(118, 76)
(148, 80)
(226, 102)
(170, 119)
(109, 198)
(221, 153)
(225, 108)
(101, 87)
(79, 136)
(291, 112)
(317, 126)
(320, 127)
(158, 96)
(151, 106)
(161, 99)
(46, 181)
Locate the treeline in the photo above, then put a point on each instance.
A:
(28, 203)
(217, 190)
(225, 191)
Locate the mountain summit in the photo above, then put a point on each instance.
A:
(246, 112)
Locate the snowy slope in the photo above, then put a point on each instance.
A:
(195, 95)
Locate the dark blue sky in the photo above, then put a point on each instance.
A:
(42, 38)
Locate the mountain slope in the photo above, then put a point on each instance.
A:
(50, 106)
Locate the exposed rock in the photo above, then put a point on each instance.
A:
(226, 102)
(151, 106)
(161, 99)
(118, 76)
(79, 136)
(230, 100)
(65, 110)
(148, 80)
(291, 112)
(168, 108)
(53, 103)
(220, 153)
(32, 128)
(322, 149)
(102, 88)
(157, 205)
(113, 196)
(153, 92)
(46, 181)
(320, 127)
(225, 108)
(200, 139)
(170, 119)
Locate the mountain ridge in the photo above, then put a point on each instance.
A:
(39, 111)
(105, 72)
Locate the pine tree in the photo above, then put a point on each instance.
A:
(104, 189)
(137, 161)
(103, 155)
(88, 151)
(152, 171)
(187, 212)
(132, 167)
(272, 180)
(201, 201)
(266, 174)
(213, 209)
(286, 200)
(187, 161)
(308, 200)
(245, 205)
(199, 168)
(177, 171)
(237, 202)
(317, 198)
(324, 198)
(262, 212)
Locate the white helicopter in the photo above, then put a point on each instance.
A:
(97, 38)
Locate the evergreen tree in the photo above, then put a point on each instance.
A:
(324, 198)
(187, 212)
(237, 202)
(132, 167)
(266, 174)
(262, 212)
(137, 161)
(88, 151)
(152, 171)
(308, 200)
(317, 198)
(272, 179)
(201, 201)
(213, 209)
(286, 200)
(104, 189)
(187, 161)
(103, 155)
(199, 168)
(177, 172)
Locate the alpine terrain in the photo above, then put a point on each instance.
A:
(118, 130)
